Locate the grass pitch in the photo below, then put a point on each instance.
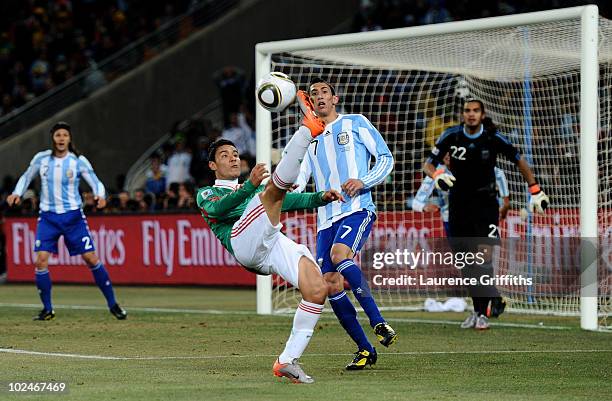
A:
(207, 344)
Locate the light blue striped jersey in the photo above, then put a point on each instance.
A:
(501, 183)
(59, 181)
(425, 190)
(428, 185)
(342, 152)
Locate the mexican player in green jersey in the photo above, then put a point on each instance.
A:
(246, 219)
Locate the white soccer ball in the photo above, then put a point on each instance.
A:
(461, 89)
(275, 91)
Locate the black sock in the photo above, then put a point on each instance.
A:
(480, 305)
(476, 303)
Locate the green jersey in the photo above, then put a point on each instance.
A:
(222, 206)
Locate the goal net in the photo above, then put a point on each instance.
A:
(411, 87)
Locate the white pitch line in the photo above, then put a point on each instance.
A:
(242, 312)
(58, 354)
(137, 309)
(414, 353)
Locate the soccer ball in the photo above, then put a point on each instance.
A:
(275, 91)
(462, 90)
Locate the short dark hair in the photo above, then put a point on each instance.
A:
(212, 149)
(473, 100)
(487, 122)
(318, 80)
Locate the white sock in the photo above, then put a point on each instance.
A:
(288, 168)
(304, 322)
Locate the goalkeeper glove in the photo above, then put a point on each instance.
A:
(538, 200)
(443, 180)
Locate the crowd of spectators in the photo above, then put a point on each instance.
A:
(375, 15)
(44, 43)
(180, 166)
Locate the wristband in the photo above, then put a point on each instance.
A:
(438, 172)
(534, 188)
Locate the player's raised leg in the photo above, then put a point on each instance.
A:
(288, 168)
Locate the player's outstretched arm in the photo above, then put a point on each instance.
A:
(310, 200)
(332, 195)
(538, 201)
(526, 171)
(26, 178)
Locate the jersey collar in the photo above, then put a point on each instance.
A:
(476, 135)
(229, 184)
(61, 158)
(337, 118)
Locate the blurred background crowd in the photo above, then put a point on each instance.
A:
(45, 43)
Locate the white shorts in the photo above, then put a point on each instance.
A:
(260, 246)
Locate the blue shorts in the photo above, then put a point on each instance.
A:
(72, 225)
(352, 231)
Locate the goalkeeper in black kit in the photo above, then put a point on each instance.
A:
(473, 147)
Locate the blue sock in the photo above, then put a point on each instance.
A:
(103, 282)
(361, 290)
(43, 283)
(347, 315)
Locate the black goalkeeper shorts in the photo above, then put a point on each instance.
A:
(473, 221)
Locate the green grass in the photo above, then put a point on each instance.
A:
(232, 353)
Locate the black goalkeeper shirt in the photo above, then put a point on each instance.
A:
(472, 158)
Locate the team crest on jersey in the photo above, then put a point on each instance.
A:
(343, 138)
(206, 194)
(485, 154)
(69, 174)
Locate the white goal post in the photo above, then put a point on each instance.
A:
(545, 78)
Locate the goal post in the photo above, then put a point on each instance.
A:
(589, 69)
(263, 144)
(545, 77)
